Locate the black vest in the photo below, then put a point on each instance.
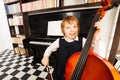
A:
(66, 49)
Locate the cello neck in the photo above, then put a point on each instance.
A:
(84, 54)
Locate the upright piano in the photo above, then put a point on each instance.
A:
(39, 38)
(38, 46)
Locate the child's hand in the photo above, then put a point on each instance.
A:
(98, 30)
(45, 60)
(97, 25)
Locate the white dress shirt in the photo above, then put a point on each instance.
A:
(97, 46)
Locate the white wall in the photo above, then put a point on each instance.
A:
(5, 40)
(108, 28)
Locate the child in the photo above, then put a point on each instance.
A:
(67, 45)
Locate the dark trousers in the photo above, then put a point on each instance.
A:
(57, 74)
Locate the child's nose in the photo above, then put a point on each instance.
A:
(72, 29)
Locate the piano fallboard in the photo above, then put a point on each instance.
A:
(40, 43)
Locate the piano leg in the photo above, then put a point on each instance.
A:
(36, 58)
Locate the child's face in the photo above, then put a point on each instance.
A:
(71, 30)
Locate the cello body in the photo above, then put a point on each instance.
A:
(96, 68)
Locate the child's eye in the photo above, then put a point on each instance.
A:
(67, 27)
(75, 26)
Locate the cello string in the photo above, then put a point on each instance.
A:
(79, 70)
(83, 57)
(82, 61)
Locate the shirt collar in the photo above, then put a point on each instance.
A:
(71, 40)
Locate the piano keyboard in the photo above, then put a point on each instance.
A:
(40, 43)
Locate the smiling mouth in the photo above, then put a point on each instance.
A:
(72, 35)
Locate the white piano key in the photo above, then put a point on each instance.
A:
(40, 43)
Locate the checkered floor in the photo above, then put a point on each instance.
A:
(17, 67)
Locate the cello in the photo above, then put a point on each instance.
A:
(87, 65)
